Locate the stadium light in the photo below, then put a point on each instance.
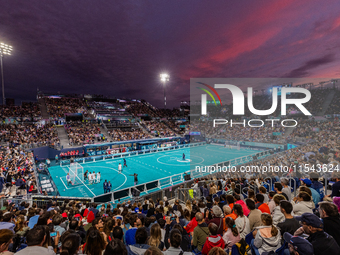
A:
(164, 78)
(5, 49)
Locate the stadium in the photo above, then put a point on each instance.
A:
(87, 171)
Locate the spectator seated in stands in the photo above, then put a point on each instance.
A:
(231, 236)
(175, 242)
(217, 218)
(276, 213)
(298, 245)
(242, 222)
(330, 218)
(201, 232)
(254, 215)
(264, 208)
(7, 221)
(290, 224)
(213, 240)
(267, 237)
(322, 242)
(140, 246)
(303, 204)
(36, 239)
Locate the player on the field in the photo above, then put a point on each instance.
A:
(119, 168)
(105, 186)
(68, 179)
(183, 157)
(98, 177)
(125, 165)
(135, 178)
(85, 174)
(109, 186)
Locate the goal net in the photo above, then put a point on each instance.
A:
(76, 173)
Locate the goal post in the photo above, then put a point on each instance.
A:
(76, 172)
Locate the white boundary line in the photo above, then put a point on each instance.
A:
(177, 164)
(63, 183)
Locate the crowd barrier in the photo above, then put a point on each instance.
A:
(128, 154)
(40, 200)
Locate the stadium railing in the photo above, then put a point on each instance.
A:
(40, 200)
(128, 154)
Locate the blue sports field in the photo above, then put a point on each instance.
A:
(149, 167)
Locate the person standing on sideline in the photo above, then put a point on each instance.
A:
(105, 186)
(119, 168)
(125, 165)
(56, 159)
(109, 186)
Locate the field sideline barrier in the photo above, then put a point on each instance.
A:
(129, 154)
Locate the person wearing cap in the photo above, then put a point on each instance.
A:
(315, 194)
(298, 245)
(331, 221)
(322, 242)
(318, 186)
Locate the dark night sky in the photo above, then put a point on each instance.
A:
(119, 48)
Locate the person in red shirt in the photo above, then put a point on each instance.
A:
(263, 207)
(214, 240)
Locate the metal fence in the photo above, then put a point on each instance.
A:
(40, 200)
(185, 194)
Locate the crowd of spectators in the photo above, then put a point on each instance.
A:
(29, 135)
(334, 107)
(158, 128)
(125, 135)
(266, 218)
(139, 109)
(80, 133)
(17, 174)
(27, 110)
(175, 126)
(57, 107)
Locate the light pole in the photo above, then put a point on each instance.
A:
(4, 50)
(164, 78)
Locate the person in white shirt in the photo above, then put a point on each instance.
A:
(90, 178)
(98, 177)
(120, 168)
(242, 222)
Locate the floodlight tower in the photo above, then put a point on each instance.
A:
(5, 49)
(164, 78)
